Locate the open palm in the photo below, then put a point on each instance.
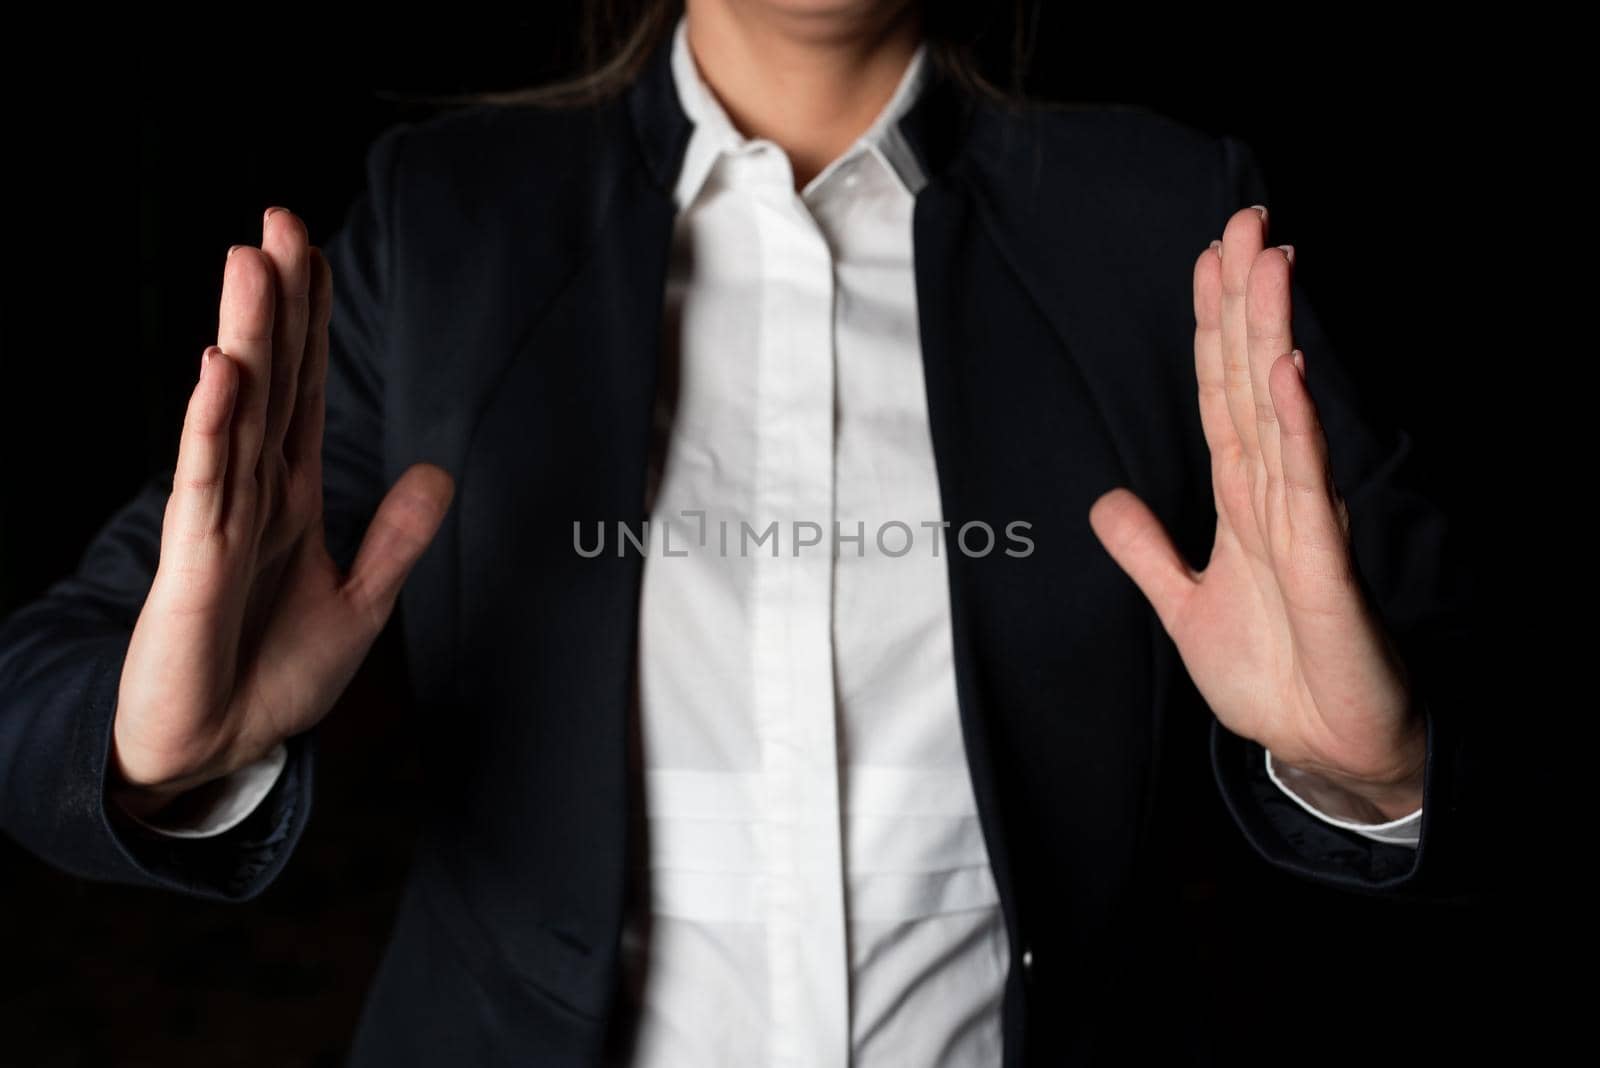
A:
(1275, 631)
(250, 632)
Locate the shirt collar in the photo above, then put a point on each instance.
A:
(714, 133)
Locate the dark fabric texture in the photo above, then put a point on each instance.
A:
(499, 296)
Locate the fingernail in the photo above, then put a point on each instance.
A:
(1288, 251)
(1216, 246)
(233, 248)
(270, 213)
(1261, 210)
(1299, 362)
(205, 360)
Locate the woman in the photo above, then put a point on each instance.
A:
(853, 743)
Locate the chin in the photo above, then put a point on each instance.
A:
(820, 11)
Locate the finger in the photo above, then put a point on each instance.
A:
(1269, 334)
(303, 441)
(283, 240)
(401, 529)
(1214, 419)
(1242, 241)
(1140, 545)
(1317, 518)
(199, 478)
(244, 332)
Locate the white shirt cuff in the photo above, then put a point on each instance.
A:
(1404, 831)
(238, 795)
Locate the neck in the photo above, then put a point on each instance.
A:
(812, 82)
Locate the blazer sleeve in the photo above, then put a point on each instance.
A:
(1407, 560)
(61, 655)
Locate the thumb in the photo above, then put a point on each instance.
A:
(401, 529)
(1140, 545)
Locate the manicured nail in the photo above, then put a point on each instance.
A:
(1261, 210)
(1288, 251)
(1299, 362)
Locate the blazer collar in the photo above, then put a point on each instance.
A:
(928, 137)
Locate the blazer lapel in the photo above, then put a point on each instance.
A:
(546, 637)
(1031, 406)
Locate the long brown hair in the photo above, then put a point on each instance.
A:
(985, 47)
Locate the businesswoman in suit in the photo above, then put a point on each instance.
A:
(881, 285)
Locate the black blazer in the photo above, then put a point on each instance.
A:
(499, 298)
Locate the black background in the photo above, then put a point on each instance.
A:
(153, 147)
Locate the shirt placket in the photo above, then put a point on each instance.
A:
(792, 619)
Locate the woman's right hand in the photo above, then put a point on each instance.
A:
(250, 633)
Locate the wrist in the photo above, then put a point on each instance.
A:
(1347, 799)
(150, 789)
(1393, 800)
(1368, 798)
(142, 802)
(210, 808)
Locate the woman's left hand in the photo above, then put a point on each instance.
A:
(1276, 632)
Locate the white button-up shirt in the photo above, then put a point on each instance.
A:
(818, 887)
